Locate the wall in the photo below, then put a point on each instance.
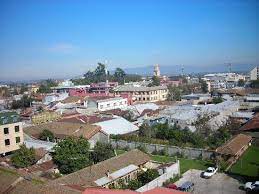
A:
(11, 136)
(172, 150)
(171, 172)
(101, 137)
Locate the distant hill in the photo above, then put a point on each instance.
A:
(176, 69)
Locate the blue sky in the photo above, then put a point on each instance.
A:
(55, 38)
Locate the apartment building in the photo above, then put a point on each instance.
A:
(142, 93)
(11, 132)
(254, 73)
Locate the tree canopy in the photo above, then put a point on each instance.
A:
(47, 135)
(155, 81)
(23, 103)
(72, 154)
(102, 151)
(23, 157)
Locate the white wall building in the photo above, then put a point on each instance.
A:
(112, 103)
(254, 73)
(54, 97)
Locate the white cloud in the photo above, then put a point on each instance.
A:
(62, 48)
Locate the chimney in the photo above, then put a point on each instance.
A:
(108, 173)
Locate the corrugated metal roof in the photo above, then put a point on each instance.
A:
(113, 176)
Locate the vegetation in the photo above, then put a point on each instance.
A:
(241, 83)
(155, 81)
(47, 135)
(254, 84)
(23, 103)
(204, 86)
(174, 93)
(46, 85)
(248, 164)
(102, 151)
(100, 74)
(72, 154)
(217, 100)
(185, 164)
(23, 157)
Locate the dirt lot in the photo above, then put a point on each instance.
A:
(220, 183)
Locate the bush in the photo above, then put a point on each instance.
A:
(23, 157)
(47, 135)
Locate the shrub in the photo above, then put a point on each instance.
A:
(23, 157)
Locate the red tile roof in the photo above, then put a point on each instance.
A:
(82, 119)
(252, 124)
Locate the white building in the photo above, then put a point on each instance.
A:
(254, 73)
(54, 97)
(112, 103)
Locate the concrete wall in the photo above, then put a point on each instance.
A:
(172, 150)
(101, 137)
(171, 172)
(11, 136)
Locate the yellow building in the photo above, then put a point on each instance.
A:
(45, 117)
(11, 132)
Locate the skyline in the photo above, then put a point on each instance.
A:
(44, 39)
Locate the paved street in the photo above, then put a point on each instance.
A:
(220, 183)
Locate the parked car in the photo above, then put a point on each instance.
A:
(186, 186)
(252, 186)
(209, 172)
(172, 186)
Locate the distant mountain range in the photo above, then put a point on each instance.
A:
(177, 69)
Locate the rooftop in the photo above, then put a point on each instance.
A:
(130, 88)
(64, 129)
(8, 118)
(234, 145)
(86, 177)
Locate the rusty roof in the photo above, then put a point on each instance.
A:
(234, 145)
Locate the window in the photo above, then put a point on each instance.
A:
(108, 105)
(16, 128)
(6, 130)
(18, 139)
(7, 142)
(101, 107)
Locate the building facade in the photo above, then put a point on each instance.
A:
(11, 132)
(254, 73)
(112, 103)
(143, 94)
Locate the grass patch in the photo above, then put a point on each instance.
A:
(248, 163)
(8, 171)
(119, 152)
(185, 164)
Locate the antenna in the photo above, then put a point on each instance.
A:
(229, 67)
(182, 70)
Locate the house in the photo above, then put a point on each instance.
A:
(197, 98)
(107, 103)
(11, 132)
(234, 148)
(62, 130)
(45, 117)
(102, 87)
(143, 93)
(116, 126)
(54, 97)
(108, 173)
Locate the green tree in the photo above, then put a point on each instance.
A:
(217, 100)
(254, 84)
(119, 75)
(174, 93)
(72, 154)
(23, 157)
(241, 83)
(155, 81)
(134, 184)
(23, 103)
(204, 86)
(24, 88)
(145, 130)
(102, 151)
(148, 176)
(47, 135)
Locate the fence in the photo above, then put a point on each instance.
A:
(171, 172)
(192, 153)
